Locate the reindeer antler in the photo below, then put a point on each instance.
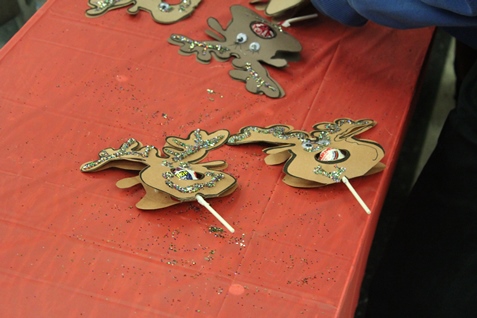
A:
(345, 127)
(256, 77)
(196, 146)
(202, 49)
(132, 155)
(100, 7)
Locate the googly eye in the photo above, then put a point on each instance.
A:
(164, 6)
(307, 145)
(241, 38)
(254, 47)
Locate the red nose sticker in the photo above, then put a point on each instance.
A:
(262, 30)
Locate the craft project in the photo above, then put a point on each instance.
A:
(161, 11)
(279, 8)
(175, 177)
(330, 153)
(250, 40)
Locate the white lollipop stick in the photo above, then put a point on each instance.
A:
(205, 204)
(356, 195)
(287, 23)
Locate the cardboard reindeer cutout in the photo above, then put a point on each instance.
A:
(279, 8)
(250, 40)
(324, 156)
(175, 177)
(100, 7)
(161, 11)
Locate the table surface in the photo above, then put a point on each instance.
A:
(73, 244)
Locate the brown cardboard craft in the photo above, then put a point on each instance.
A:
(277, 8)
(324, 156)
(161, 11)
(251, 41)
(175, 177)
(100, 7)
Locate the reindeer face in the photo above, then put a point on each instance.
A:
(172, 178)
(320, 157)
(183, 181)
(250, 40)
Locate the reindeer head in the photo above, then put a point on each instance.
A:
(320, 157)
(161, 11)
(175, 177)
(165, 11)
(251, 40)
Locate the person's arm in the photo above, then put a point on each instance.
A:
(340, 10)
(459, 17)
(462, 7)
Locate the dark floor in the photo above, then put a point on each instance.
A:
(435, 100)
(432, 106)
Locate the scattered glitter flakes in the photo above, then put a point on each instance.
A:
(173, 248)
(240, 241)
(210, 256)
(304, 281)
(172, 262)
(217, 231)
(212, 92)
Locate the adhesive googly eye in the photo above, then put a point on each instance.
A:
(306, 144)
(254, 47)
(165, 7)
(241, 38)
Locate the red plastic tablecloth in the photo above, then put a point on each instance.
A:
(72, 244)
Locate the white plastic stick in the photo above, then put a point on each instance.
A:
(356, 195)
(205, 204)
(287, 23)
